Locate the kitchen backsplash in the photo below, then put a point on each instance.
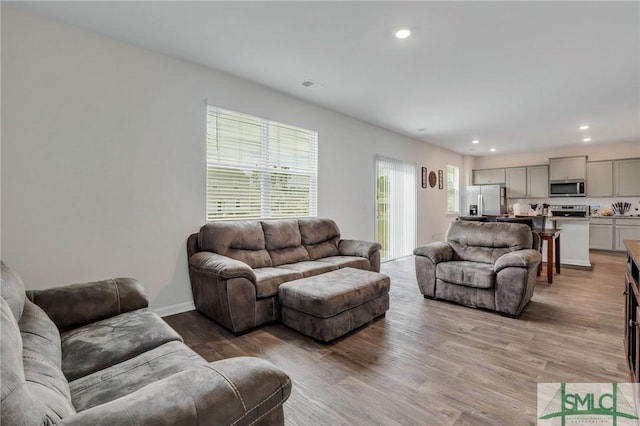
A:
(604, 203)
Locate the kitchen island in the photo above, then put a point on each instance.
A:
(574, 249)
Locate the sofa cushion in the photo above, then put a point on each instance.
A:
(240, 240)
(12, 290)
(320, 237)
(268, 280)
(311, 268)
(279, 234)
(288, 255)
(486, 242)
(129, 376)
(283, 241)
(469, 274)
(347, 262)
(104, 343)
(78, 304)
(28, 395)
(42, 355)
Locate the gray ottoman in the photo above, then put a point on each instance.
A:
(329, 305)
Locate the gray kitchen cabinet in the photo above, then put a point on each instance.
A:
(610, 233)
(489, 176)
(538, 181)
(626, 229)
(600, 179)
(601, 234)
(516, 182)
(567, 168)
(528, 182)
(626, 174)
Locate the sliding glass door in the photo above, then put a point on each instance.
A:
(395, 207)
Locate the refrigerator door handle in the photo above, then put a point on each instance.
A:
(480, 208)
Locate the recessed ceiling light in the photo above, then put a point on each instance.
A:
(422, 129)
(475, 141)
(492, 150)
(402, 33)
(584, 127)
(586, 140)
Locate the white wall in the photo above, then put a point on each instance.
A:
(103, 158)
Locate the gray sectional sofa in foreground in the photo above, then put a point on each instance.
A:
(237, 267)
(93, 354)
(485, 265)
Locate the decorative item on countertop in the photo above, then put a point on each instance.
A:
(532, 209)
(620, 207)
(517, 209)
(545, 209)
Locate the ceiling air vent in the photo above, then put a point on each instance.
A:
(311, 84)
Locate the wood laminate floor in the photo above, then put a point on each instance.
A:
(430, 362)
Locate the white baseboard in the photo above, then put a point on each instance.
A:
(577, 262)
(175, 309)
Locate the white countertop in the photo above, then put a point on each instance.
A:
(578, 219)
(615, 217)
(569, 219)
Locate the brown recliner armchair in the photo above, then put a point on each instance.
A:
(486, 265)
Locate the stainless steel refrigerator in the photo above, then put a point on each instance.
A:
(486, 200)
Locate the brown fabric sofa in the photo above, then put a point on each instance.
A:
(94, 354)
(236, 267)
(487, 265)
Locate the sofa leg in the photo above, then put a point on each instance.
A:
(429, 297)
(504, 314)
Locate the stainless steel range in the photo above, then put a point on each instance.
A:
(575, 210)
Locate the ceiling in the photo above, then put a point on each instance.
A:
(517, 76)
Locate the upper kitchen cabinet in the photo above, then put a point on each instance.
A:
(600, 179)
(626, 178)
(488, 176)
(566, 168)
(538, 181)
(516, 182)
(528, 182)
(617, 178)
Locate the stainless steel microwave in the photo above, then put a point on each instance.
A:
(568, 188)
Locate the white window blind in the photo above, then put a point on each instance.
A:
(453, 190)
(257, 168)
(395, 207)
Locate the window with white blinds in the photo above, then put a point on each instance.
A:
(453, 190)
(395, 207)
(259, 169)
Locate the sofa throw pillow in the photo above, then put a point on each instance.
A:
(239, 240)
(284, 242)
(320, 237)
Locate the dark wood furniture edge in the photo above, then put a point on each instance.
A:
(631, 310)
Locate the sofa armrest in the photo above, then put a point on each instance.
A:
(75, 305)
(437, 252)
(221, 266)
(358, 248)
(520, 259)
(232, 391)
